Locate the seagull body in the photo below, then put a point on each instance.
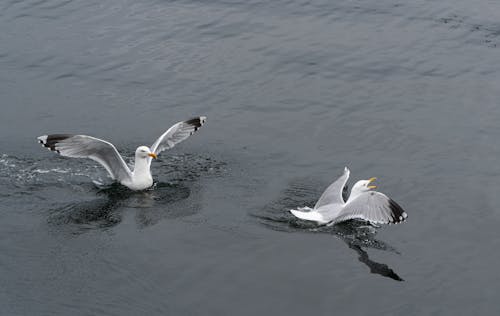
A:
(363, 203)
(105, 153)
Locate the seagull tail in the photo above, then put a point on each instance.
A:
(308, 214)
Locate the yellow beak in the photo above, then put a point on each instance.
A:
(372, 186)
(152, 155)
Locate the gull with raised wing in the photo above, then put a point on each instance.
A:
(363, 203)
(105, 153)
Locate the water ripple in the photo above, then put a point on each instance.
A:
(356, 235)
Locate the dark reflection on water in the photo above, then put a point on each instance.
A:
(100, 213)
(375, 267)
(356, 234)
(106, 210)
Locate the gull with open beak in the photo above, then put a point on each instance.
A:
(105, 153)
(363, 204)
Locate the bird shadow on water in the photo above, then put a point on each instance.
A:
(164, 200)
(357, 235)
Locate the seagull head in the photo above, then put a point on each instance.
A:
(144, 152)
(363, 185)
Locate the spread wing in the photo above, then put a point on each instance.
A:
(83, 146)
(333, 194)
(176, 134)
(374, 207)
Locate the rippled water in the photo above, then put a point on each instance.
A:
(294, 91)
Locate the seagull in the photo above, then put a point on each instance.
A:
(105, 153)
(363, 204)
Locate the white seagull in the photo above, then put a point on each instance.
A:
(363, 203)
(105, 153)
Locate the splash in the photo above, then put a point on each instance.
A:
(28, 172)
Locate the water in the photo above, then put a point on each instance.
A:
(294, 91)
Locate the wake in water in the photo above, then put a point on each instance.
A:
(356, 234)
(78, 196)
(29, 172)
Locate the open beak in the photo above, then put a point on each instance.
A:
(152, 155)
(370, 181)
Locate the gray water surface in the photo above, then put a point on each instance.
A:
(294, 91)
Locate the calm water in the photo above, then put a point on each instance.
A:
(294, 91)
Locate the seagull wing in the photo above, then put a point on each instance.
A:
(374, 207)
(176, 134)
(83, 146)
(333, 194)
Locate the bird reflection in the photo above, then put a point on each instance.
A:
(164, 200)
(375, 267)
(357, 235)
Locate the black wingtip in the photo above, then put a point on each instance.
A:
(50, 141)
(197, 122)
(398, 215)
